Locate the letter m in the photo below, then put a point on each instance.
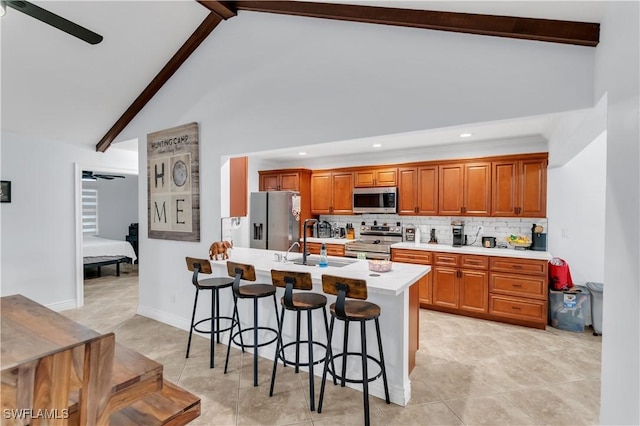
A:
(159, 213)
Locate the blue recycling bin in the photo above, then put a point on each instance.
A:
(596, 290)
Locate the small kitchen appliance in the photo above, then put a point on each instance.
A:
(410, 233)
(324, 229)
(457, 227)
(538, 239)
(375, 200)
(489, 242)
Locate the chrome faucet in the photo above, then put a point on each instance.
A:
(304, 238)
(295, 243)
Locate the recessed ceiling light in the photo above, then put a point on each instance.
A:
(377, 145)
(465, 135)
(302, 153)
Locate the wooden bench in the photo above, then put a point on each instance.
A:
(52, 363)
(139, 395)
(99, 261)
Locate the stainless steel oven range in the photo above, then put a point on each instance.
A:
(375, 241)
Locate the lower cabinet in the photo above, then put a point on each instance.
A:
(420, 257)
(332, 249)
(461, 288)
(502, 289)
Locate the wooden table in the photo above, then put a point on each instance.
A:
(45, 359)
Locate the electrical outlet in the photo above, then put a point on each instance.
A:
(480, 229)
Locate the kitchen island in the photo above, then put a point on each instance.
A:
(393, 291)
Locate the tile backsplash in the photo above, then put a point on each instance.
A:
(492, 226)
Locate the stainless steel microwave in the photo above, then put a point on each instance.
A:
(375, 200)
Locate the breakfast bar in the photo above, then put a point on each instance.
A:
(394, 291)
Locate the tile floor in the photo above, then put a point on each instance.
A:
(468, 371)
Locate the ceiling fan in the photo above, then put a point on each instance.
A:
(89, 175)
(52, 19)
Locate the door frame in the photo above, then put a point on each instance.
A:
(78, 167)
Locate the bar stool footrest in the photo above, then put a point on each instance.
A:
(359, 355)
(254, 344)
(208, 320)
(285, 362)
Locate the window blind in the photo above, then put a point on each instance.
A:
(90, 211)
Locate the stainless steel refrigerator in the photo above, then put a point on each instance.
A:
(274, 219)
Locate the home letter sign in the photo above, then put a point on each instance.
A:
(173, 180)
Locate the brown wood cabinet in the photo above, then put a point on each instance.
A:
(418, 190)
(332, 192)
(283, 180)
(238, 187)
(502, 289)
(332, 249)
(518, 290)
(375, 177)
(464, 189)
(419, 257)
(461, 282)
(519, 187)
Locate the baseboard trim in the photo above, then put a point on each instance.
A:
(164, 317)
(63, 306)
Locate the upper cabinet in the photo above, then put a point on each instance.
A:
(367, 178)
(238, 188)
(332, 192)
(465, 189)
(282, 180)
(418, 190)
(505, 186)
(520, 187)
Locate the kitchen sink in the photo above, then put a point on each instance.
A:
(313, 260)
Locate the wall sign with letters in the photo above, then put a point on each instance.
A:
(174, 183)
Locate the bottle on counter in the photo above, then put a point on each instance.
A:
(323, 256)
(417, 235)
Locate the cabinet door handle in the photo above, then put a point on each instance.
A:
(516, 266)
(515, 308)
(516, 285)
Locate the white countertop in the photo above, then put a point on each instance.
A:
(503, 252)
(394, 282)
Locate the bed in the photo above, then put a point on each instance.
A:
(98, 252)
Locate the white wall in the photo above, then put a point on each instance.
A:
(38, 226)
(575, 210)
(617, 69)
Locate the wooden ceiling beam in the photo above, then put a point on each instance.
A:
(199, 35)
(555, 31)
(225, 9)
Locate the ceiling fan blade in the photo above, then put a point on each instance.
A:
(109, 177)
(55, 21)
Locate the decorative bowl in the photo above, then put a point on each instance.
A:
(380, 265)
(520, 245)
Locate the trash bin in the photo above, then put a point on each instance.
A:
(570, 310)
(596, 290)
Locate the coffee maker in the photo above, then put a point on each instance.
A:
(457, 227)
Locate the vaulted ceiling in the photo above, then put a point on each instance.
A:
(55, 86)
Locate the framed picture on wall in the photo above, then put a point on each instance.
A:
(174, 183)
(5, 191)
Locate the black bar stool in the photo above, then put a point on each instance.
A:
(246, 272)
(298, 303)
(202, 266)
(347, 311)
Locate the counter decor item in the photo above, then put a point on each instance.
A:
(378, 265)
(220, 248)
(519, 242)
